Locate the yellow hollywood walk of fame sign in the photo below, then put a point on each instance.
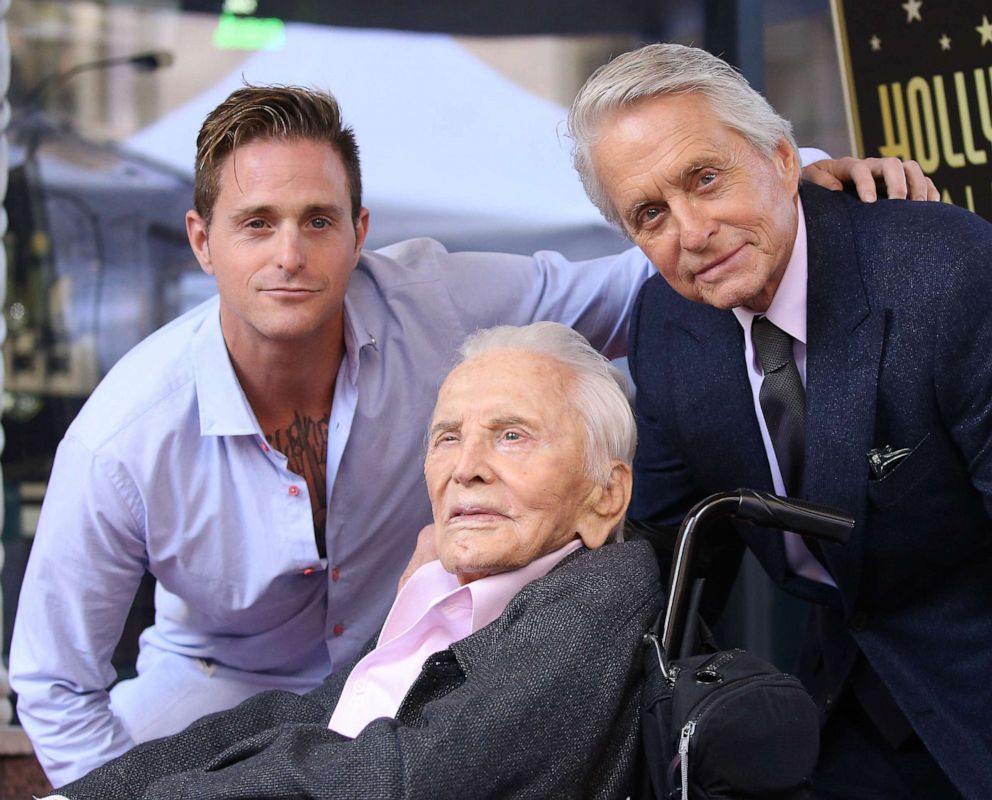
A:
(918, 83)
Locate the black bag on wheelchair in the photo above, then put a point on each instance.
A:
(727, 724)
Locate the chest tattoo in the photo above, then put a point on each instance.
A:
(304, 443)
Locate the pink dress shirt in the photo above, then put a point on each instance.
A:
(788, 312)
(431, 611)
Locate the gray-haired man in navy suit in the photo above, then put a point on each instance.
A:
(799, 341)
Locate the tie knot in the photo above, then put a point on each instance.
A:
(772, 345)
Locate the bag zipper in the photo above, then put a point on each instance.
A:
(720, 659)
(687, 730)
(690, 727)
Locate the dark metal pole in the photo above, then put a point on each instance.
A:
(5, 709)
(734, 30)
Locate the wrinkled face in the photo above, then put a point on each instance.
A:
(716, 218)
(505, 465)
(281, 243)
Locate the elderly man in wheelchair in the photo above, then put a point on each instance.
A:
(508, 668)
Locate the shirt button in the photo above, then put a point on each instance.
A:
(338, 629)
(294, 490)
(360, 687)
(335, 574)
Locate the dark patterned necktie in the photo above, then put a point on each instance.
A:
(782, 399)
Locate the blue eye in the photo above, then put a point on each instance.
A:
(648, 216)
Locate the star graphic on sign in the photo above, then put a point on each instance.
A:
(876, 44)
(945, 42)
(912, 8)
(985, 29)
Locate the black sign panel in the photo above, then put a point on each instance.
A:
(483, 17)
(918, 76)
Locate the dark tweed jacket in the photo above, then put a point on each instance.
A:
(542, 703)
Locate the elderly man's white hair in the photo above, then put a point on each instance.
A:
(599, 393)
(662, 69)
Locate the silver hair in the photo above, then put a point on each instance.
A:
(662, 69)
(599, 395)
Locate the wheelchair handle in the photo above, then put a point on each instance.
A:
(758, 508)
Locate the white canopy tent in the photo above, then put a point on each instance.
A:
(450, 147)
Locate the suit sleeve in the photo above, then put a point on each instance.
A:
(86, 562)
(531, 718)
(204, 741)
(665, 488)
(963, 371)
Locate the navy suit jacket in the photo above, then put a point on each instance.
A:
(899, 352)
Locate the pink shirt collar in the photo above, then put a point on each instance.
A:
(431, 612)
(488, 597)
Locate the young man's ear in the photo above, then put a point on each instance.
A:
(361, 228)
(606, 506)
(196, 232)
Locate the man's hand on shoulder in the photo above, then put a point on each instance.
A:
(901, 179)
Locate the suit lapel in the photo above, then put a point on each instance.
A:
(844, 346)
(729, 447)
